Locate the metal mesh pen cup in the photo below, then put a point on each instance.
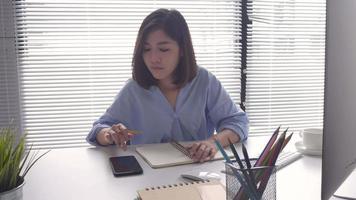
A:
(262, 178)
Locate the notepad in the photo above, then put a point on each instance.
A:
(166, 155)
(205, 190)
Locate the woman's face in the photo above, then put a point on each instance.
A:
(161, 55)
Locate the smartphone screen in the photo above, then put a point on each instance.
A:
(125, 165)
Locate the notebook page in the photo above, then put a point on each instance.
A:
(162, 155)
(166, 155)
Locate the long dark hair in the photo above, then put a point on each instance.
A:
(174, 25)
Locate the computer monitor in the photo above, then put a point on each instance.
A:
(339, 139)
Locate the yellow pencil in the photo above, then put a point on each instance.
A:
(134, 132)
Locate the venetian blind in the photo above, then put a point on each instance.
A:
(285, 64)
(74, 56)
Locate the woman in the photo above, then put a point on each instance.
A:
(169, 96)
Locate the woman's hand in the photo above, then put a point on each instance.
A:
(117, 134)
(203, 150)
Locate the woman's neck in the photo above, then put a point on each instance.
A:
(167, 86)
(170, 91)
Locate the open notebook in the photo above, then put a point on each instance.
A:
(206, 190)
(166, 155)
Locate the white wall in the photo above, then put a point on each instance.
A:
(9, 92)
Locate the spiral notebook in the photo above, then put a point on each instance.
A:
(168, 154)
(204, 190)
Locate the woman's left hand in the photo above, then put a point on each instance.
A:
(203, 150)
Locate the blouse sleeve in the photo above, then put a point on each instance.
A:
(105, 121)
(223, 111)
(110, 117)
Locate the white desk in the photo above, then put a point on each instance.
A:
(85, 173)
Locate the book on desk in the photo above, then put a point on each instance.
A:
(207, 190)
(166, 155)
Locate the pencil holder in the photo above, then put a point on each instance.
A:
(255, 183)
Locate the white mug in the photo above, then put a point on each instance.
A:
(312, 138)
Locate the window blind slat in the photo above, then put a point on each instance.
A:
(285, 64)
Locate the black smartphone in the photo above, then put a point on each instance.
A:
(125, 165)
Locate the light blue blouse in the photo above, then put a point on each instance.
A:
(202, 106)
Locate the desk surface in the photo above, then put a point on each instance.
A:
(85, 173)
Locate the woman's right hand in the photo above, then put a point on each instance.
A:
(117, 134)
